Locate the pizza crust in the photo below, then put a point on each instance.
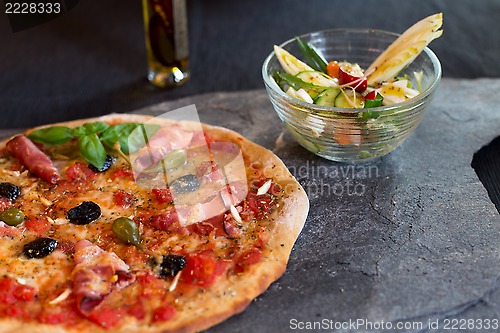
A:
(229, 296)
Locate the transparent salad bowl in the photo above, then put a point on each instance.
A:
(351, 135)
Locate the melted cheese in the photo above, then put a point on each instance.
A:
(51, 276)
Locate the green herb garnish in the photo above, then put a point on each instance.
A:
(313, 58)
(94, 138)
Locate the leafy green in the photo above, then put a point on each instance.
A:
(96, 127)
(92, 150)
(373, 103)
(79, 131)
(118, 133)
(54, 135)
(140, 136)
(313, 58)
(297, 83)
(94, 137)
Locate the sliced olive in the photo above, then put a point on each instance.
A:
(185, 184)
(10, 191)
(126, 231)
(40, 248)
(85, 213)
(110, 160)
(12, 216)
(171, 264)
(171, 161)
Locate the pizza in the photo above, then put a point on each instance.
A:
(129, 223)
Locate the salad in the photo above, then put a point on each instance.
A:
(346, 85)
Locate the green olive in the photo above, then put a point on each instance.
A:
(174, 159)
(12, 216)
(170, 161)
(126, 231)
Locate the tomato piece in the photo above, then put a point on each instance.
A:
(14, 312)
(38, 225)
(58, 318)
(64, 313)
(260, 205)
(371, 95)
(162, 195)
(202, 269)
(333, 69)
(167, 221)
(123, 199)
(53, 318)
(137, 310)
(248, 258)
(106, 317)
(80, 172)
(12, 291)
(352, 75)
(208, 226)
(164, 313)
(122, 174)
(152, 286)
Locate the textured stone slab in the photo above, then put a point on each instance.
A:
(411, 237)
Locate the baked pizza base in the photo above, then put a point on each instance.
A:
(230, 295)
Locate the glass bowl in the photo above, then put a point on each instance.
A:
(350, 135)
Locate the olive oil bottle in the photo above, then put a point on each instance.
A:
(165, 23)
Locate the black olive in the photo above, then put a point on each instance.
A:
(40, 248)
(110, 160)
(85, 213)
(10, 191)
(185, 184)
(171, 264)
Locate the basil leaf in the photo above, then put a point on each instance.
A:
(141, 135)
(118, 133)
(79, 131)
(54, 135)
(92, 150)
(96, 127)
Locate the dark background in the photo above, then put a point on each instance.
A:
(91, 61)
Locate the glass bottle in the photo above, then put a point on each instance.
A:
(165, 23)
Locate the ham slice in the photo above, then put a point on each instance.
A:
(96, 274)
(9, 231)
(215, 205)
(33, 159)
(165, 140)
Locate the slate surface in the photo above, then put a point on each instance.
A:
(409, 238)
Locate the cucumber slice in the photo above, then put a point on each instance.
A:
(319, 79)
(313, 93)
(356, 101)
(327, 97)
